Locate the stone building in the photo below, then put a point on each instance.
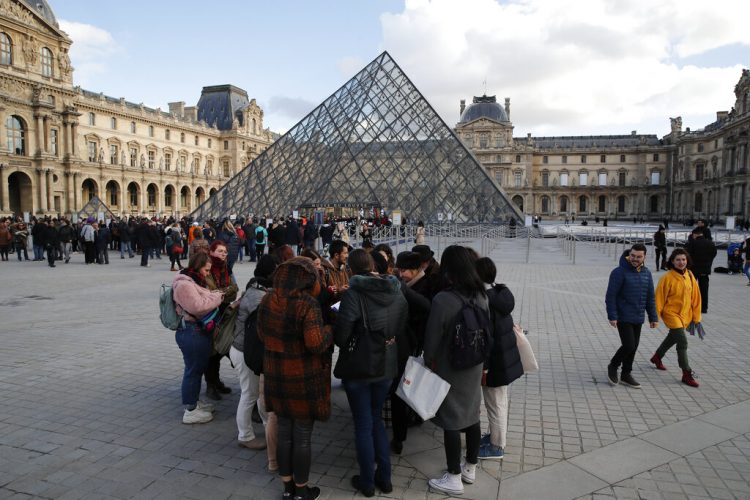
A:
(682, 175)
(61, 145)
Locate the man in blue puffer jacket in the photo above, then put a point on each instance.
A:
(630, 293)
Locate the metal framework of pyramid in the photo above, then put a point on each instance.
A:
(94, 207)
(375, 142)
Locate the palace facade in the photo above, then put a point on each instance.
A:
(683, 175)
(62, 145)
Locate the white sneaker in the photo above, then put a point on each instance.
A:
(449, 483)
(468, 472)
(197, 416)
(207, 407)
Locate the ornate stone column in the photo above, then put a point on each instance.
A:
(76, 205)
(39, 134)
(69, 208)
(73, 141)
(48, 192)
(159, 198)
(4, 191)
(42, 190)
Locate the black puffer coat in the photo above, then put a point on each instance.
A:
(505, 362)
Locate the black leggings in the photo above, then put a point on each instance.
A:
(293, 451)
(661, 252)
(453, 447)
(630, 337)
(174, 258)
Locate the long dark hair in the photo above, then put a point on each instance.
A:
(459, 271)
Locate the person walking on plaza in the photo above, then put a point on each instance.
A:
(504, 365)
(630, 293)
(194, 300)
(660, 247)
(20, 240)
(261, 239)
(66, 235)
(678, 302)
(126, 238)
(459, 412)
(103, 239)
(702, 253)
(375, 305)
(88, 235)
(296, 369)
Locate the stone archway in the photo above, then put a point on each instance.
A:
(89, 189)
(113, 195)
(518, 200)
(20, 193)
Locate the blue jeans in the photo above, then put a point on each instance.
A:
(745, 269)
(125, 246)
(370, 438)
(196, 349)
(251, 249)
(38, 252)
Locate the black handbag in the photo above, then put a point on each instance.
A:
(363, 354)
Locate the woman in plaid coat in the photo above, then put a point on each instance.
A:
(296, 368)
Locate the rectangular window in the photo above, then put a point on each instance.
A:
(700, 147)
(182, 137)
(92, 119)
(583, 158)
(113, 123)
(602, 178)
(699, 172)
(483, 141)
(545, 179)
(225, 167)
(113, 154)
(499, 177)
(517, 179)
(183, 163)
(209, 143)
(545, 159)
(196, 140)
(132, 127)
(656, 156)
(622, 158)
(53, 141)
(518, 158)
(168, 161)
(166, 134)
(603, 159)
(150, 130)
(655, 178)
(151, 159)
(92, 150)
(226, 144)
(621, 178)
(583, 179)
(565, 159)
(564, 179)
(209, 167)
(133, 157)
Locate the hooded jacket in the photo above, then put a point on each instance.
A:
(192, 299)
(630, 292)
(678, 299)
(297, 361)
(386, 309)
(504, 365)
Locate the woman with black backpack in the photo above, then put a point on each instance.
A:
(460, 409)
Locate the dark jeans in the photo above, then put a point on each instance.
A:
(630, 336)
(366, 401)
(196, 348)
(251, 251)
(676, 336)
(4, 251)
(22, 248)
(102, 256)
(293, 451)
(453, 447)
(663, 252)
(212, 369)
(399, 413)
(174, 258)
(259, 249)
(144, 255)
(89, 252)
(702, 280)
(51, 256)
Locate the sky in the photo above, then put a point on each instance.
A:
(570, 67)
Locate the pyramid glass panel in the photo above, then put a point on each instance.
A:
(374, 143)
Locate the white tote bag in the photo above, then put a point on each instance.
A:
(528, 360)
(422, 389)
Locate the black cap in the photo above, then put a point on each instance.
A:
(408, 260)
(425, 254)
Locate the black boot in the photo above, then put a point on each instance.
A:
(212, 392)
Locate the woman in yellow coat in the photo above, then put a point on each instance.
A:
(678, 303)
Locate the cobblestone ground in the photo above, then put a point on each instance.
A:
(90, 387)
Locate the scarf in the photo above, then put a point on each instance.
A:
(195, 276)
(220, 272)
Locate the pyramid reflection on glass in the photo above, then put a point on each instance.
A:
(375, 143)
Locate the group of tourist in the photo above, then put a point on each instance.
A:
(296, 308)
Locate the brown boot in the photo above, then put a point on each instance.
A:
(687, 378)
(656, 360)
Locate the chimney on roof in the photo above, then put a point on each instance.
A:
(720, 115)
(191, 113)
(177, 108)
(463, 107)
(633, 132)
(507, 107)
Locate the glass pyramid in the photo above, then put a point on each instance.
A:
(375, 143)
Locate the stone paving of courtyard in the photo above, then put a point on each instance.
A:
(89, 381)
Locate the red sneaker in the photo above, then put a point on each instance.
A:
(656, 360)
(687, 378)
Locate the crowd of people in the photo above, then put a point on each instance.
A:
(299, 305)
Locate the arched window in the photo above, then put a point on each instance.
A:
(582, 204)
(621, 204)
(255, 127)
(47, 68)
(602, 203)
(563, 204)
(168, 193)
(698, 202)
(133, 194)
(6, 49)
(16, 135)
(654, 204)
(518, 200)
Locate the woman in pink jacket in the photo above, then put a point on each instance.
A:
(194, 302)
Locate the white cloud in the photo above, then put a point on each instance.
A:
(92, 50)
(571, 67)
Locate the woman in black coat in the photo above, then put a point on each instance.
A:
(504, 365)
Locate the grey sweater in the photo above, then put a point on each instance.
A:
(460, 409)
(249, 303)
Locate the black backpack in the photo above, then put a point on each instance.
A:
(259, 235)
(471, 342)
(253, 348)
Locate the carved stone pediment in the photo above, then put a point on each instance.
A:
(21, 13)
